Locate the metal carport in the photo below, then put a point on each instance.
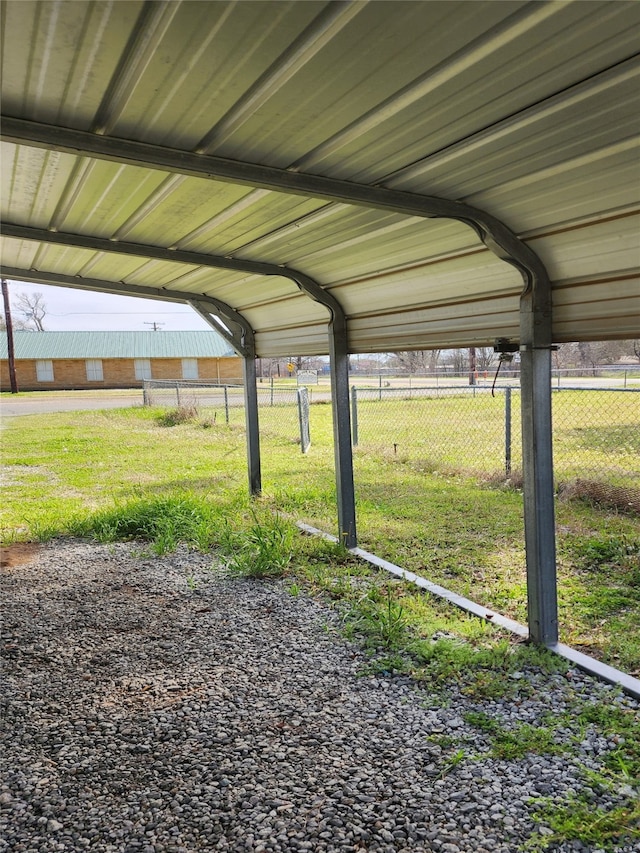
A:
(339, 177)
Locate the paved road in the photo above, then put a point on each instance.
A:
(66, 401)
(37, 403)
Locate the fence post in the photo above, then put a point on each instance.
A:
(507, 431)
(380, 386)
(226, 404)
(272, 391)
(178, 394)
(303, 418)
(354, 415)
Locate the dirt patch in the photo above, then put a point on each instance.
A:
(18, 553)
(17, 475)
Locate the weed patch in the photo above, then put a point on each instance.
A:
(579, 819)
(181, 415)
(262, 551)
(163, 521)
(511, 745)
(380, 616)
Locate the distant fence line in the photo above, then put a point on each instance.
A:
(456, 429)
(284, 412)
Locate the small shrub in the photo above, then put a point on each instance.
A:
(380, 616)
(181, 415)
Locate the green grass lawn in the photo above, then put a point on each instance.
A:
(596, 433)
(452, 528)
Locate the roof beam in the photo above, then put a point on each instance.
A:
(142, 250)
(240, 334)
(493, 233)
(207, 166)
(305, 283)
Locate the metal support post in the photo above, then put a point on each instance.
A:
(303, 419)
(339, 359)
(251, 416)
(226, 405)
(537, 458)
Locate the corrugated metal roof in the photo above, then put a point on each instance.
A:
(83, 345)
(529, 111)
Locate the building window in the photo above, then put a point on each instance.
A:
(143, 368)
(94, 370)
(189, 368)
(44, 370)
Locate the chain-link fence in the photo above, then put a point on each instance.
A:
(280, 415)
(450, 428)
(465, 430)
(596, 445)
(596, 434)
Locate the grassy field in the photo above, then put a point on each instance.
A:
(596, 433)
(456, 530)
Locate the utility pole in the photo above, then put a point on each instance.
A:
(10, 352)
(472, 366)
(156, 326)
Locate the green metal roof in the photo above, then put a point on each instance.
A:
(53, 345)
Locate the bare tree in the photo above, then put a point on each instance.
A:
(434, 359)
(459, 360)
(485, 357)
(473, 365)
(32, 306)
(412, 361)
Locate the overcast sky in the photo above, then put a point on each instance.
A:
(83, 311)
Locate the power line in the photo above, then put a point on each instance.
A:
(113, 313)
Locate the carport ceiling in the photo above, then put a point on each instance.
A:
(198, 148)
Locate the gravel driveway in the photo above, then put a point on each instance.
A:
(153, 705)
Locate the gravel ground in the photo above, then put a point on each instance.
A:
(152, 705)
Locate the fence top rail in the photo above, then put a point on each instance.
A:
(466, 389)
(406, 389)
(596, 388)
(187, 383)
